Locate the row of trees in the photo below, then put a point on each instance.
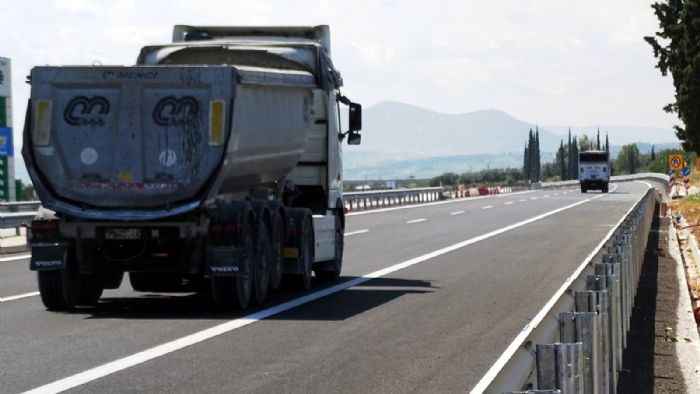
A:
(565, 164)
(502, 176)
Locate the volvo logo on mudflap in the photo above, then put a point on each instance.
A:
(172, 111)
(84, 111)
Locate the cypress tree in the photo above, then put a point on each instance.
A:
(574, 160)
(526, 164)
(598, 140)
(653, 156)
(537, 154)
(607, 145)
(562, 164)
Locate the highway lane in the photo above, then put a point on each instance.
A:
(438, 324)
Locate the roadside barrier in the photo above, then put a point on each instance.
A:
(575, 344)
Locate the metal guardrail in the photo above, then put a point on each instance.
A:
(386, 198)
(13, 214)
(575, 343)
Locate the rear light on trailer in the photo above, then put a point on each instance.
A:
(222, 229)
(41, 130)
(216, 229)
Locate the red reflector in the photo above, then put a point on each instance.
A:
(230, 228)
(291, 233)
(216, 229)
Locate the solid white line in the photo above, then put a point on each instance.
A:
(487, 207)
(491, 374)
(200, 336)
(19, 296)
(428, 204)
(356, 232)
(509, 202)
(15, 258)
(416, 221)
(456, 213)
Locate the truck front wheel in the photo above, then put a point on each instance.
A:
(330, 270)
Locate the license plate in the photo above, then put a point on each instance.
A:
(123, 233)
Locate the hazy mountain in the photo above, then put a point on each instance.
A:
(401, 140)
(405, 128)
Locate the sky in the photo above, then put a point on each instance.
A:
(548, 62)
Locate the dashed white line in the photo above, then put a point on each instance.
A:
(416, 221)
(356, 232)
(456, 213)
(487, 207)
(522, 200)
(509, 202)
(15, 258)
(533, 198)
(19, 296)
(546, 195)
(223, 328)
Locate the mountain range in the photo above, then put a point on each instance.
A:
(401, 140)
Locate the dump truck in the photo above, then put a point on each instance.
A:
(212, 165)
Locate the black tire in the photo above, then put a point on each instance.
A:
(90, 290)
(302, 281)
(234, 292)
(261, 263)
(329, 271)
(583, 189)
(59, 290)
(277, 251)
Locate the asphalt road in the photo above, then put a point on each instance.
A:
(430, 297)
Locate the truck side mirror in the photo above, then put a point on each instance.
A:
(354, 139)
(355, 118)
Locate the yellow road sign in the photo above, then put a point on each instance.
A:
(675, 162)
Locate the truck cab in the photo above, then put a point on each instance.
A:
(594, 170)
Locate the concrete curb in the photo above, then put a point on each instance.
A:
(688, 353)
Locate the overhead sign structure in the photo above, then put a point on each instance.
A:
(675, 162)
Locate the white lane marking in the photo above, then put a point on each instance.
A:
(464, 199)
(456, 213)
(416, 221)
(491, 374)
(533, 198)
(546, 195)
(223, 328)
(356, 232)
(15, 258)
(509, 202)
(487, 207)
(19, 296)
(522, 200)
(556, 194)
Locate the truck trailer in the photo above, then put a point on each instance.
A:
(213, 164)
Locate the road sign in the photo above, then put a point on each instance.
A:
(675, 161)
(671, 172)
(686, 170)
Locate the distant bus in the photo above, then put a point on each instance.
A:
(594, 170)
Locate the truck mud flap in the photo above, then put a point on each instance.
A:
(50, 257)
(224, 261)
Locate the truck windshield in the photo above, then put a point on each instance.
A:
(593, 157)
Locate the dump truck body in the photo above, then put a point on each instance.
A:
(191, 164)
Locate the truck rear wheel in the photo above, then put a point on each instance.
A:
(277, 251)
(262, 262)
(59, 290)
(235, 291)
(305, 243)
(330, 270)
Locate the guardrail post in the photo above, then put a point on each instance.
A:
(584, 327)
(560, 366)
(608, 273)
